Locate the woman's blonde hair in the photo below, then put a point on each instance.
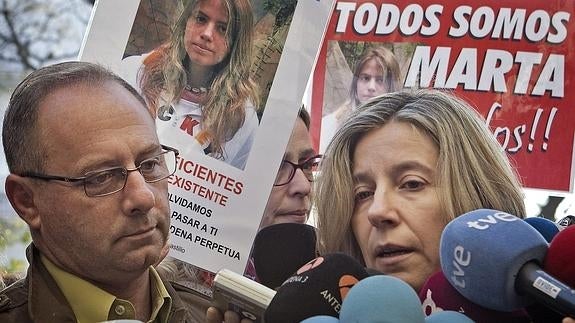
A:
(164, 74)
(472, 169)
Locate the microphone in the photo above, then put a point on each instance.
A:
(559, 261)
(547, 228)
(566, 221)
(321, 319)
(317, 288)
(281, 249)
(381, 299)
(538, 312)
(492, 258)
(449, 317)
(437, 296)
(541, 314)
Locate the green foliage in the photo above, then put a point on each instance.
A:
(14, 231)
(275, 5)
(354, 50)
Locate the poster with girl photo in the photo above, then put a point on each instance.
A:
(355, 72)
(205, 68)
(225, 80)
(512, 61)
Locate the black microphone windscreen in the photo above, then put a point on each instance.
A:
(281, 249)
(317, 288)
(566, 221)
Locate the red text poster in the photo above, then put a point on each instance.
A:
(512, 60)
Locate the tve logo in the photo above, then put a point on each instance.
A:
(461, 259)
(491, 219)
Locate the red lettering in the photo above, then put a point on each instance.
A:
(189, 124)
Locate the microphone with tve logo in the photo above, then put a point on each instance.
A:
(494, 259)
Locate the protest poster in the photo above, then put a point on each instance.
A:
(216, 205)
(512, 60)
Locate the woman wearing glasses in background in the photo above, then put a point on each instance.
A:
(289, 199)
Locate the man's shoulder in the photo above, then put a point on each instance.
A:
(14, 302)
(188, 305)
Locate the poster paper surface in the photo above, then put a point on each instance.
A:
(216, 206)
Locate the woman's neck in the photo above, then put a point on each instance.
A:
(199, 76)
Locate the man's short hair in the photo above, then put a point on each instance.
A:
(20, 134)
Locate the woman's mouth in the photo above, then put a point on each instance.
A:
(391, 255)
(200, 48)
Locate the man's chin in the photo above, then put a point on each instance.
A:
(145, 257)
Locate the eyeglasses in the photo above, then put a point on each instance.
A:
(109, 181)
(287, 170)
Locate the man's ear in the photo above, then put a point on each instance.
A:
(21, 196)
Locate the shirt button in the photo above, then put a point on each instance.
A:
(120, 310)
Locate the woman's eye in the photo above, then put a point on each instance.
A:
(200, 19)
(359, 196)
(311, 165)
(413, 185)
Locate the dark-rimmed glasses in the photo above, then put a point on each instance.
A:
(287, 170)
(111, 180)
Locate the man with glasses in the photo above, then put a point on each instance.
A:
(88, 175)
